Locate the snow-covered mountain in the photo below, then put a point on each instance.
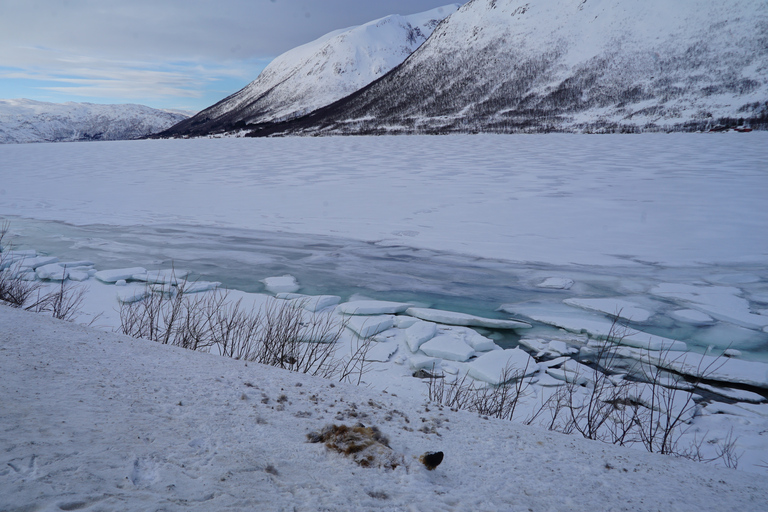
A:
(23, 120)
(570, 65)
(319, 73)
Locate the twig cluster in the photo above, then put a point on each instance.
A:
(281, 333)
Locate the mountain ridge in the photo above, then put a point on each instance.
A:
(28, 121)
(567, 65)
(318, 73)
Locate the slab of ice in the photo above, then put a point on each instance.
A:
(312, 303)
(544, 347)
(76, 264)
(721, 369)
(692, 316)
(553, 362)
(447, 347)
(165, 276)
(394, 334)
(78, 275)
(52, 271)
(677, 403)
(281, 284)
(761, 297)
(565, 375)
(556, 283)
(404, 322)
(721, 302)
(38, 261)
(740, 395)
(613, 307)
(366, 326)
(595, 325)
(381, 352)
(133, 294)
(480, 343)
(743, 278)
(419, 361)
(373, 307)
(112, 276)
(546, 380)
(419, 333)
(200, 286)
(453, 318)
(494, 366)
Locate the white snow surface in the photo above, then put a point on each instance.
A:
(23, 120)
(644, 64)
(331, 67)
(93, 420)
(556, 199)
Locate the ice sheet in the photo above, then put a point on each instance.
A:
(453, 318)
(447, 347)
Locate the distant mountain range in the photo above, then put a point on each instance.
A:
(319, 73)
(522, 66)
(23, 120)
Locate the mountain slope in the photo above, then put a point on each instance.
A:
(319, 73)
(25, 120)
(570, 65)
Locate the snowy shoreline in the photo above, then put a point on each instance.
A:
(111, 422)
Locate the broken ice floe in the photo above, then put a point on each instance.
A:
(373, 307)
(281, 284)
(132, 294)
(453, 318)
(500, 365)
(596, 326)
(366, 326)
(165, 276)
(721, 302)
(556, 283)
(381, 352)
(620, 308)
(114, 275)
(52, 272)
(419, 361)
(448, 347)
(311, 303)
(692, 316)
(419, 333)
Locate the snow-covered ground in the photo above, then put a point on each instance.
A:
(664, 228)
(97, 421)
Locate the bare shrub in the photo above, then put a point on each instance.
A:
(281, 334)
(63, 303)
(493, 401)
(643, 407)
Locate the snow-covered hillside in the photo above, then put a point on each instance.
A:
(99, 421)
(23, 120)
(319, 73)
(572, 65)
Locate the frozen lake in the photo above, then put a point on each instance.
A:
(466, 223)
(561, 231)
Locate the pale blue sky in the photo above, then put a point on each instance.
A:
(184, 54)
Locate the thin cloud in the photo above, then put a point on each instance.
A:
(160, 50)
